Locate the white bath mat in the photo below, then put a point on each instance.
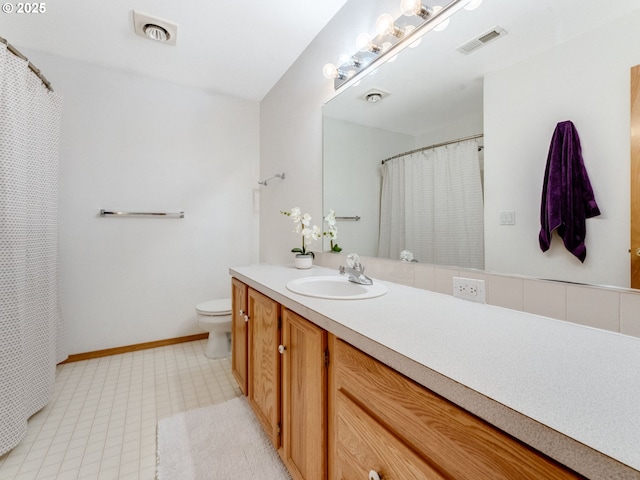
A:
(221, 442)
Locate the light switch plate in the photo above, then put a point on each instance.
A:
(507, 218)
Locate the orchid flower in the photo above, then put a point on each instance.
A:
(332, 233)
(303, 228)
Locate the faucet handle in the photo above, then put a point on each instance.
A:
(342, 271)
(353, 260)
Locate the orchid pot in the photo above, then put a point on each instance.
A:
(304, 260)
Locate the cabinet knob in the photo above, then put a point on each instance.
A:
(638, 252)
(281, 349)
(246, 318)
(241, 312)
(373, 475)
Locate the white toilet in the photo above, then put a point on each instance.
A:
(214, 317)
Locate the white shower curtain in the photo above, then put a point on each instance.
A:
(31, 331)
(432, 205)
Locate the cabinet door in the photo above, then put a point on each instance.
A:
(264, 362)
(239, 333)
(304, 397)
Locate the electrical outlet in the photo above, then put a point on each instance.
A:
(469, 289)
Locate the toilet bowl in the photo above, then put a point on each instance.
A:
(214, 317)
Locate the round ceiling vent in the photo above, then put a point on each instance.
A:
(156, 32)
(154, 28)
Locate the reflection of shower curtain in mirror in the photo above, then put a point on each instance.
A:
(432, 205)
(30, 320)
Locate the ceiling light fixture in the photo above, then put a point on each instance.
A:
(393, 36)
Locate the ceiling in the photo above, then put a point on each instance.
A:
(235, 48)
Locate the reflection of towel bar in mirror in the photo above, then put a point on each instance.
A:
(277, 175)
(105, 213)
(356, 218)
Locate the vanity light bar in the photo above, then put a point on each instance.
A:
(386, 46)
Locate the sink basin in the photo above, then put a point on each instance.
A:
(335, 288)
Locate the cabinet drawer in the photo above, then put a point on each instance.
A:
(456, 442)
(362, 445)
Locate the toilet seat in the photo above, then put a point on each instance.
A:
(215, 308)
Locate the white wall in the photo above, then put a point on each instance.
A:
(137, 144)
(523, 104)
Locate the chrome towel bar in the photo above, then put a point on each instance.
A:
(105, 213)
(356, 218)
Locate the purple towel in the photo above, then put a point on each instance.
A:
(567, 197)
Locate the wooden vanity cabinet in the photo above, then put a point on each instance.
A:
(379, 417)
(304, 397)
(286, 378)
(357, 418)
(239, 334)
(264, 362)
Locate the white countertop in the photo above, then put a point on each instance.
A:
(570, 391)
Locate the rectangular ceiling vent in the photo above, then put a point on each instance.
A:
(482, 40)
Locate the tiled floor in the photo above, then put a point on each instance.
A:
(101, 422)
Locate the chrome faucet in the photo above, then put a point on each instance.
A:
(355, 270)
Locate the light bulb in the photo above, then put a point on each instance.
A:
(330, 71)
(410, 7)
(442, 25)
(472, 5)
(364, 43)
(414, 7)
(385, 25)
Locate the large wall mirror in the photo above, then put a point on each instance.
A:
(553, 61)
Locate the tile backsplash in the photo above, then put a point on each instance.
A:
(608, 308)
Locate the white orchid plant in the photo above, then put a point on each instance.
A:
(304, 229)
(310, 233)
(332, 233)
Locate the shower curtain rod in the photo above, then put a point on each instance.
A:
(435, 145)
(32, 67)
